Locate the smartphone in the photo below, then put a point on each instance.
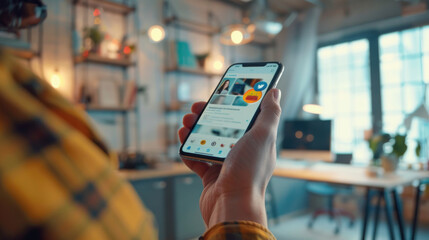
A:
(230, 111)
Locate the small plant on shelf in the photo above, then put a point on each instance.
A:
(93, 38)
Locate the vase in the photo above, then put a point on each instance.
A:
(389, 163)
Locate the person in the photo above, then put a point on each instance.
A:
(57, 180)
(223, 89)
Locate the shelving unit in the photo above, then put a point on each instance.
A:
(123, 9)
(111, 6)
(26, 54)
(93, 58)
(200, 72)
(176, 108)
(108, 109)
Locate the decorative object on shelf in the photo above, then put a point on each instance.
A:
(181, 55)
(126, 49)
(110, 48)
(201, 59)
(77, 43)
(156, 33)
(129, 94)
(93, 38)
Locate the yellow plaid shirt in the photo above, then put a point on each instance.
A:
(56, 177)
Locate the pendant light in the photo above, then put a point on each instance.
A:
(236, 34)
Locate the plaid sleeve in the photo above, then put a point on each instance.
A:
(56, 176)
(240, 230)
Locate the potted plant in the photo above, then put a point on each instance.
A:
(394, 150)
(96, 37)
(376, 143)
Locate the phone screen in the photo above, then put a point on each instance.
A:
(230, 110)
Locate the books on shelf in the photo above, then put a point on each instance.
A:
(108, 95)
(130, 94)
(181, 55)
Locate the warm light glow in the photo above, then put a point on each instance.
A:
(217, 64)
(309, 138)
(236, 36)
(55, 80)
(312, 108)
(156, 33)
(299, 134)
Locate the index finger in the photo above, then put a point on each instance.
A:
(198, 107)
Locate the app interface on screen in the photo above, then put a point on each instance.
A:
(230, 110)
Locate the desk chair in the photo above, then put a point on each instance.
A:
(329, 191)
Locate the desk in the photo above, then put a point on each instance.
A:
(328, 173)
(356, 176)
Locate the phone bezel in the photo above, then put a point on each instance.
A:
(219, 160)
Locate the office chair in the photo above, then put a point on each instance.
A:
(329, 191)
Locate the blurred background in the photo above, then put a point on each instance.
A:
(355, 85)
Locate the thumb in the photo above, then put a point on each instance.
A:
(269, 117)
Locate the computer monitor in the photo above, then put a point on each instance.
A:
(307, 140)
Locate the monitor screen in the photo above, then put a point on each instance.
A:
(307, 135)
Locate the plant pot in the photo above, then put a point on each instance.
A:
(389, 163)
(374, 171)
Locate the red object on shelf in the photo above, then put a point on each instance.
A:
(127, 50)
(96, 12)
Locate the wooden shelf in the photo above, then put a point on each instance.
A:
(107, 5)
(108, 109)
(92, 58)
(26, 54)
(191, 71)
(192, 26)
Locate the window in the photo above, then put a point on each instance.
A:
(404, 66)
(403, 56)
(344, 92)
(344, 85)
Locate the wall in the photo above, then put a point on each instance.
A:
(57, 53)
(357, 12)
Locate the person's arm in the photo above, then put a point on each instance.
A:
(235, 191)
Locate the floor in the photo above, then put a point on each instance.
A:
(323, 228)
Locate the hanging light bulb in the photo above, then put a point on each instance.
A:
(156, 33)
(236, 34)
(55, 80)
(236, 37)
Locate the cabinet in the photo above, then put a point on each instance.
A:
(174, 201)
(189, 222)
(153, 194)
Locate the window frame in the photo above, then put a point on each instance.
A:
(373, 37)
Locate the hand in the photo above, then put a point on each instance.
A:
(236, 190)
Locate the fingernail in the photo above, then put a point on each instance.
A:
(277, 94)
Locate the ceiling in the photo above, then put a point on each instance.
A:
(288, 6)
